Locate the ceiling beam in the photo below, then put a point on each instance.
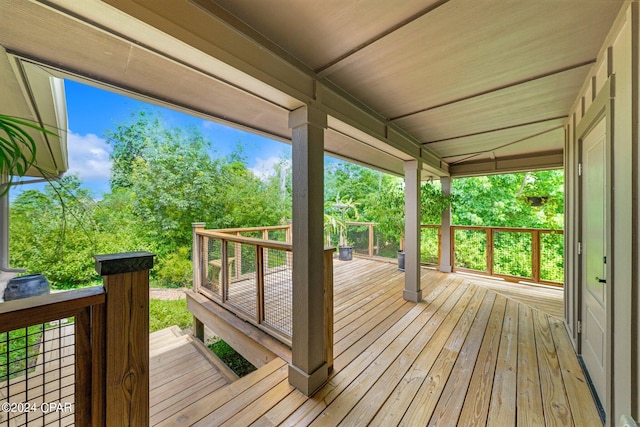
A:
(524, 163)
(496, 130)
(339, 62)
(491, 150)
(496, 89)
(244, 60)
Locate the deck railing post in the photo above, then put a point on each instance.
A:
(126, 282)
(196, 255)
(84, 375)
(224, 269)
(489, 250)
(535, 255)
(440, 248)
(452, 241)
(260, 266)
(371, 239)
(328, 306)
(237, 253)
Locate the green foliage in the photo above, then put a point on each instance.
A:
(387, 207)
(17, 148)
(53, 232)
(336, 215)
(175, 270)
(19, 350)
(163, 314)
(498, 200)
(230, 357)
(163, 180)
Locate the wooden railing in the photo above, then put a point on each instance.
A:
(80, 357)
(516, 254)
(252, 277)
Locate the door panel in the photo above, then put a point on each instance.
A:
(593, 257)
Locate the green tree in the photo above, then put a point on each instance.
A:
(500, 200)
(53, 233)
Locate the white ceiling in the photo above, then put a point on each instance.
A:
(457, 82)
(461, 76)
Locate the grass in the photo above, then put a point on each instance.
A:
(230, 357)
(163, 314)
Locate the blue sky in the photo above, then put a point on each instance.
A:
(92, 111)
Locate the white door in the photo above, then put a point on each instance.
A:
(594, 250)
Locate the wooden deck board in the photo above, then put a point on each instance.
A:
(468, 354)
(388, 350)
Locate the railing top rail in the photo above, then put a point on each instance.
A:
(361, 223)
(269, 244)
(510, 229)
(250, 229)
(26, 312)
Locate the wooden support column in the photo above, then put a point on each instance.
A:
(308, 370)
(126, 371)
(196, 261)
(412, 289)
(445, 245)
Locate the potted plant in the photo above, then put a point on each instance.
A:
(389, 210)
(337, 214)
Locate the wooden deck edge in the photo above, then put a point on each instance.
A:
(212, 358)
(252, 343)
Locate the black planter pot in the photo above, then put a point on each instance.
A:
(401, 260)
(345, 253)
(26, 286)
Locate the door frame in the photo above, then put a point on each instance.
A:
(601, 107)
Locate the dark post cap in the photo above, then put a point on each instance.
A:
(125, 262)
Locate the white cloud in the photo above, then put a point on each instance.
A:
(88, 156)
(264, 168)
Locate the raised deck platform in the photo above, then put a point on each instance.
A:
(472, 353)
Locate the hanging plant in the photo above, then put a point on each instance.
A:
(17, 148)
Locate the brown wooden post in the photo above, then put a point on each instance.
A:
(328, 306)
(370, 240)
(452, 253)
(260, 261)
(535, 255)
(237, 253)
(489, 250)
(126, 282)
(265, 236)
(98, 364)
(440, 247)
(197, 251)
(83, 361)
(196, 255)
(224, 269)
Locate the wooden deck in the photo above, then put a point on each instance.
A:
(472, 353)
(181, 369)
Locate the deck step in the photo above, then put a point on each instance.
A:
(181, 372)
(170, 332)
(239, 393)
